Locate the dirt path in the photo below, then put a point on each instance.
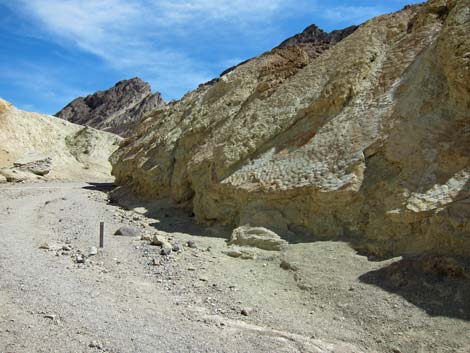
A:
(51, 304)
(129, 298)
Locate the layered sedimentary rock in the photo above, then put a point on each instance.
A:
(368, 140)
(36, 146)
(116, 110)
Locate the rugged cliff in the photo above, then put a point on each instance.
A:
(116, 110)
(368, 140)
(36, 146)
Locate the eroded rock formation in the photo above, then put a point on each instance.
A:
(35, 146)
(368, 140)
(116, 110)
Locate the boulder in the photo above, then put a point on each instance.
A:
(36, 164)
(257, 237)
(16, 176)
(127, 232)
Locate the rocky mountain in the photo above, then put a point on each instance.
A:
(367, 141)
(313, 41)
(35, 146)
(116, 110)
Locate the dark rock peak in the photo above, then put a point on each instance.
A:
(117, 109)
(315, 36)
(313, 39)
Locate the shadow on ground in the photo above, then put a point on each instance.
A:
(439, 285)
(104, 187)
(168, 216)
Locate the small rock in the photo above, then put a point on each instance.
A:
(44, 246)
(94, 344)
(147, 237)
(233, 253)
(176, 247)
(155, 262)
(80, 259)
(191, 244)
(248, 255)
(247, 311)
(92, 251)
(49, 316)
(165, 251)
(158, 240)
(203, 279)
(66, 247)
(127, 232)
(285, 265)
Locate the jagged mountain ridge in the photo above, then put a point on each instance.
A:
(313, 40)
(116, 110)
(367, 140)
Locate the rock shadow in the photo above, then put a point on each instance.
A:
(437, 284)
(105, 187)
(168, 216)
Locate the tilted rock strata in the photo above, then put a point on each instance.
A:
(313, 41)
(368, 141)
(116, 110)
(36, 146)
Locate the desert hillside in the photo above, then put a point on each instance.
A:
(36, 146)
(367, 139)
(312, 199)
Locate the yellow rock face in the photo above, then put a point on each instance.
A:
(370, 140)
(77, 153)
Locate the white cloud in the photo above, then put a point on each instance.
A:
(135, 36)
(126, 34)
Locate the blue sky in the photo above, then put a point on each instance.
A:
(55, 50)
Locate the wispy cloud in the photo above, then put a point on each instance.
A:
(127, 33)
(167, 42)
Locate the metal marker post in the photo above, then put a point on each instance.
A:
(101, 234)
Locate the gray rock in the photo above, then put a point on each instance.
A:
(127, 232)
(80, 259)
(92, 251)
(34, 163)
(285, 265)
(257, 237)
(117, 109)
(233, 253)
(191, 244)
(246, 311)
(157, 240)
(176, 247)
(166, 249)
(16, 176)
